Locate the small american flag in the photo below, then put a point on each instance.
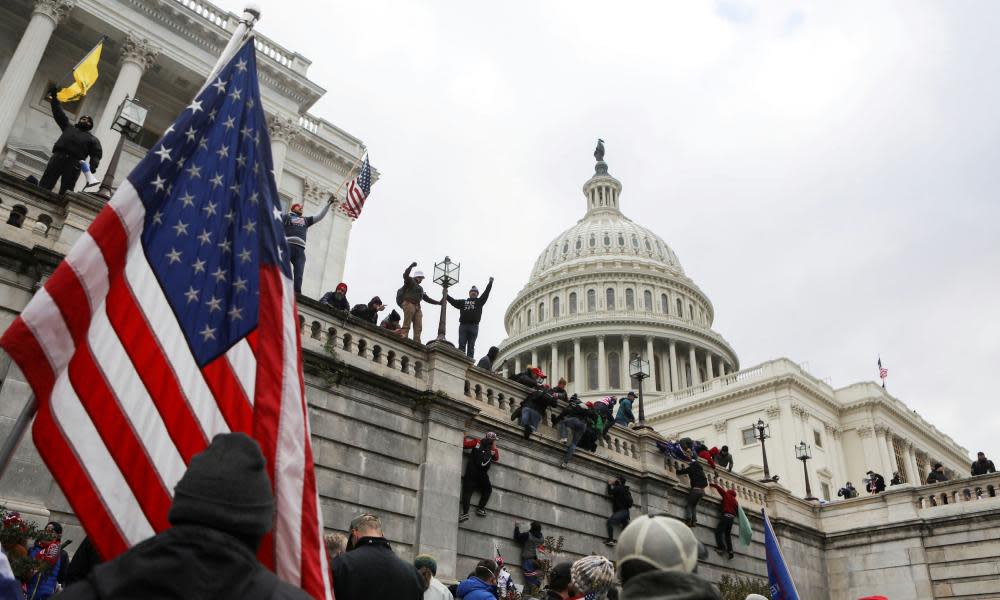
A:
(882, 371)
(171, 320)
(357, 191)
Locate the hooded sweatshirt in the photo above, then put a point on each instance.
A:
(668, 585)
(75, 141)
(475, 588)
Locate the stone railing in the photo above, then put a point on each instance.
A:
(973, 489)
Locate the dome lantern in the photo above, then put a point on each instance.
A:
(602, 190)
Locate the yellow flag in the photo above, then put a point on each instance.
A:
(84, 76)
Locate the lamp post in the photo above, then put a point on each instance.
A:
(803, 452)
(445, 275)
(639, 369)
(764, 432)
(128, 122)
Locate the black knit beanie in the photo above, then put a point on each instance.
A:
(226, 487)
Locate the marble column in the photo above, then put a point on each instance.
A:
(23, 65)
(652, 362)
(602, 365)
(626, 358)
(886, 464)
(554, 368)
(709, 370)
(283, 132)
(534, 359)
(673, 367)
(873, 460)
(578, 385)
(893, 463)
(693, 361)
(138, 55)
(517, 363)
(913, 472)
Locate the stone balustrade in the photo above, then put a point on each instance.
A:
(972, 489)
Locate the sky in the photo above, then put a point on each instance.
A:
(827, 173)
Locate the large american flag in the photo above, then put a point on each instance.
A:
(357, 191)
(171, 320)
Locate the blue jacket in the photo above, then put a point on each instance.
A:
(47, 585)
(625, 415)
(475, 588)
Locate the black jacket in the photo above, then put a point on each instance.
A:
(331, 299)
(371, 571)
(725, 460)
(75, 142)
(84, 561)
(619, 493)
(668, 585)
(471, 309)
(365, 312)
(185, 562)
(540, 400)
(982, 468)
(876, 484)
(695, 473)
(936, 477)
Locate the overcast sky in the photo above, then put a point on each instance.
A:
(828, 174)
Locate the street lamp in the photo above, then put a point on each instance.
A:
(639, 369)
(128, 122)
(763, 432)
(804, 453)
(445, 275)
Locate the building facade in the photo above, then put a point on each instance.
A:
(160, 52)
(608, 290)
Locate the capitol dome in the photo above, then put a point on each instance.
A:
(605, 291)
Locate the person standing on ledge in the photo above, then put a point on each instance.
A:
(296, 227)
(982, 465)
(876, 483)
(74, 145)
(409, 297)
(470, 313)
(937, 474)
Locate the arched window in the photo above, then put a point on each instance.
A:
(635, 242)
(17, 214)
(607, 240)
(592, 377)
(657, 377)
(591, 300)
(680, 308)
(609, 298)
(621, 240)
(664, 304)
(565, 247)
(648, 247)
(43, 225)
(541, 312)
(572, 303)
(570, 369)
(629, 299)
(555, 307)
(647, 299)
(579, 243)
(614, 371)
(593, 240)
(691, 311)
(529, 317)
(519, 328)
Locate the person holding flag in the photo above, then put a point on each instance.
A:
(84, 76)
(75, 145)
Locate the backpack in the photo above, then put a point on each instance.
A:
(627, 495)
(399, 296)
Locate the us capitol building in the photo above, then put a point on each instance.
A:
(607, 289)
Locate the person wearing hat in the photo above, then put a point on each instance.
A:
(658, 560)
(296, 226)
(222, 508)
(482, 454)
(530, 540)
(621, 503)
(488, 362)
(48, 550)
(728, 511)
(593, 576)
(409, 297)
(470, 313)
(625, 416)
(74, 146)
(427, 567)
(369, 312)
(337, 298)
(392, 323)
(937, 474)
(560, 582)
(876, 483)
(370, 570)
(481, 584)
(535, 404)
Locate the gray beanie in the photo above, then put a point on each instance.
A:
(660, 542)
(226, 487)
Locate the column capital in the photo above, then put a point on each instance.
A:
(54, 9)
(773, 412)
(282, 129)
(313, 191)
(139, 51)
(865, 432)
(720, 426)
(600, 338)
(882, 430)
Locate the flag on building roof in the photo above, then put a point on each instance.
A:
(170, 321)
(84, 76)
(780, 580)
(882, 371)
(357, 191)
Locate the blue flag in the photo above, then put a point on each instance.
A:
(782, 587)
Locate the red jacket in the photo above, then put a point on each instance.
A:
(708, 457)
(729, 502)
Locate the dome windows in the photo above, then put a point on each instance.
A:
(635, 242)
(593, 241)
(621, 240)
(647, 300)
(541, 312)
(664, 304)
(591, 300)
(649, 248)
(572, 303)
(680, 308)
(609, 298)
(607, 240)
(630, 299)
(579, 243)
(555, 307)
(565, 247)
(529, 317)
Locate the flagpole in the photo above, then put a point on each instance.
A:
(350, 173)
(17, 433)
(251, 14)
(103, 39)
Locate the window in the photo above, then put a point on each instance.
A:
(691, 311)
(541, 312)
(647, 299)
(593, 240)
(656, 373)
(664, 304)
(630, 299)
(621, 240)
(17, 215)
(591, 300)
(749, 436)
(826, 490)
(648, 247)
(565, 247)
(579, 243)
(555, 307)
(592, 378)
(519, 322)
(614, 371)
(570, 369)
(607, 240)
(817, 438)
(572, 303)
(529, 317)
(609, 298)
(680, 308)
(635, 242)
(687, 373)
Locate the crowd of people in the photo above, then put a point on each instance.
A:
(874, 483)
